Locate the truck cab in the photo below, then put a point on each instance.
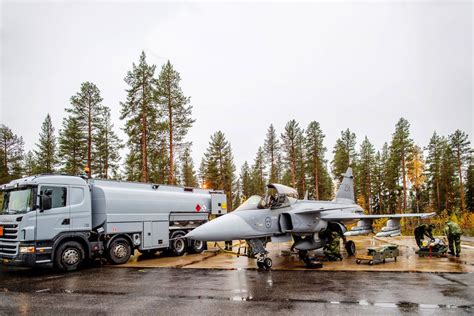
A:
(38, 212)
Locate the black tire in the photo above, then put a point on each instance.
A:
(371, 262)
(267, 263)
(119, 251)
(69, 256)
(178, 244)
(198, 246)
(260, 264)
(358, 261)
(350, 248)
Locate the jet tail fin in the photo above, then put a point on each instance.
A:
(346, 189)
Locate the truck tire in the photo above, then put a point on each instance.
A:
(178, 244)
(198, 246)
(119, 251)
(69, 256)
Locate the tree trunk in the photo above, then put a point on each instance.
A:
(106, 161)
(404, 184)
(438, 194)
(316, 179)
(144, 177)
(170, 110)
(89, 141)
(461, 186)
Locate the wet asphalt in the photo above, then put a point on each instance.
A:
(169, 291)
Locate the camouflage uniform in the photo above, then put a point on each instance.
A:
(332, 249)
(453, 232)
(422, 231)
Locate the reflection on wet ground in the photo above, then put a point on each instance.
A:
(102, 290)
(408, 261)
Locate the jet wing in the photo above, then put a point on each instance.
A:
(342, 216)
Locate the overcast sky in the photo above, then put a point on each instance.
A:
(357, 65)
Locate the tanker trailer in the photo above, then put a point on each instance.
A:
(64, 221)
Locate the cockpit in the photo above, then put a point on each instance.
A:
(277, 196)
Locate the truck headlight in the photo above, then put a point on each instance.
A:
(27, 249)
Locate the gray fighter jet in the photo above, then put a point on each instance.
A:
(280, 216)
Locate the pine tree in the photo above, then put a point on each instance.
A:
(290, 139)
(378, 192)
(272, 154)
(176, 112)
(246, 181)
(30, 167)
(448, 175)
(434, 169)
(470, 185)
(462, 151)
(344, 154)
(86, 110)
(140, 112)
(415, 172)
(400, 147)
(106, 147)
(72, 146)
(46, 148)
(391, 178)
(217, 168)
(258, 173)
(365, 169)
(315, 151)
(187, 168)
(11, 152)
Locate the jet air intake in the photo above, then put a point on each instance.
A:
(301, 223)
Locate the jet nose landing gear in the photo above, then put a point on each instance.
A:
(264, 263)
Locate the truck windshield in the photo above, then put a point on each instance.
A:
(17, 202)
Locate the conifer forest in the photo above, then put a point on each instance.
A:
(402, 176)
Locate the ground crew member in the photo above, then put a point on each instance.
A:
(453, 232)
(332, 250)
(422, 231)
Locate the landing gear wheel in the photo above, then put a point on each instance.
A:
(178, 244)
(350, 248)
(69, 256)
(260, 265)
(119, 251)
(267, 263)
(198, 246)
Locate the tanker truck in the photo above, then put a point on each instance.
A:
(64, 221)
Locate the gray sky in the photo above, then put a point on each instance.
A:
(357, 65)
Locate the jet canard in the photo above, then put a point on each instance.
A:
(280, 216)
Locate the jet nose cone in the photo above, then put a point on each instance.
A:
(227, 227)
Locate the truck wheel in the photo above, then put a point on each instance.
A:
(198, 246)
(178, 244)
(350, 248)
(119, 251)
(69, 256)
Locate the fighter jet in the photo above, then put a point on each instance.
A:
(279, 217)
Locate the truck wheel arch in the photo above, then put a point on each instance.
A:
(126, 236)
(78, 237)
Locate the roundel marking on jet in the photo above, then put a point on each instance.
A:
(268, 222)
